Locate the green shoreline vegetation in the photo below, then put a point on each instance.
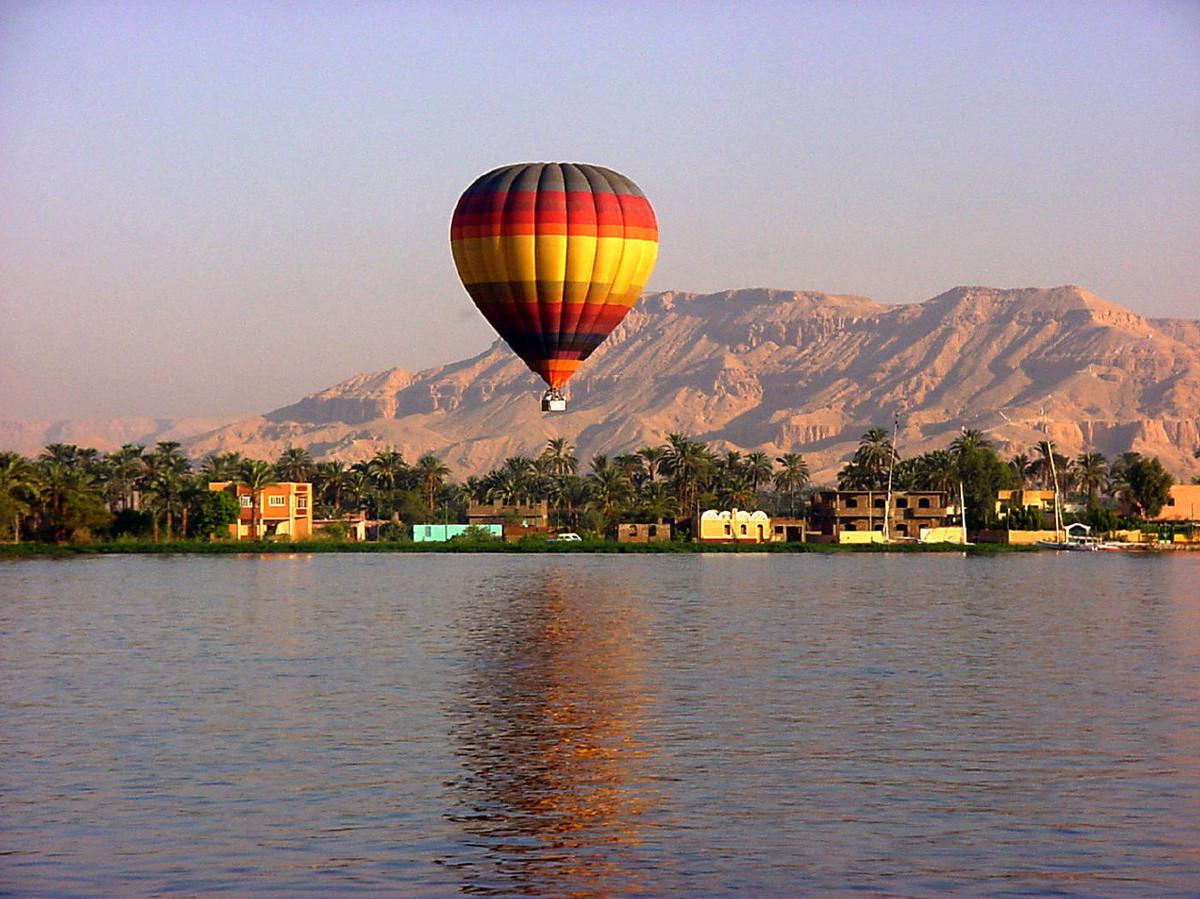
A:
(77, 500)
(524, 546)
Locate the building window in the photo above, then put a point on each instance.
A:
(851, 502)
(246, 501)
(1171, 501)
(878, 504)
(743, 530)
(652, 531)
(923, 502)
(633, 530)
(902, 502)
(727, 530)
(276, 500)
(428, 530)
(301, 503)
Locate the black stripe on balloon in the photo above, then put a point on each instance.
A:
(554, 346)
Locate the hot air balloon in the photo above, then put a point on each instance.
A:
(554, 255)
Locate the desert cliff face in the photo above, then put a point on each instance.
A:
(785, 371)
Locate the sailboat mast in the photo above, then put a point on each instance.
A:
(887, 503)
(962, 509)
(1057, 502)
(1053, 477)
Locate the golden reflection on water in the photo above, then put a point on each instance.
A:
(552, 791)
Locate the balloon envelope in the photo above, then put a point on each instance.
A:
(554, 255)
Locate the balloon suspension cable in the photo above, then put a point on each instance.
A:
(554, 401)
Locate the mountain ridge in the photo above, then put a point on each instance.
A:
(786, 371)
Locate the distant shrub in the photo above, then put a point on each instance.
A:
(474, 534)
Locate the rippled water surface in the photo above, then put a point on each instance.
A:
(550, 725)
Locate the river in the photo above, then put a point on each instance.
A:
(599, 725)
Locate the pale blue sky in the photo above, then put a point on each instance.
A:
(186, 185)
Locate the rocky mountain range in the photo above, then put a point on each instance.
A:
(781, 371)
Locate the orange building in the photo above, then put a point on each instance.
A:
(284, 510)
(1183, 504)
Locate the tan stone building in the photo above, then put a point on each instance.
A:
(525, 515)
(643, 533)
(837, 511)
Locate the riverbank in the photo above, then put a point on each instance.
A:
(50, 550)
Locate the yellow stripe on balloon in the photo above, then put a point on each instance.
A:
(516, 258)
(551, 253)
(520, 256)
(581, 263)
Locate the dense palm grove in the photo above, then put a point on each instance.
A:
(80, 494)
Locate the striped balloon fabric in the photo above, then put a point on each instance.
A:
(554, 255)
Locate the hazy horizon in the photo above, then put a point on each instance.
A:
(216, 209)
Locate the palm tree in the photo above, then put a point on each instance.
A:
(759, 469)
(652, 456)
(738, 494)
(359, 490)
(475, 489)
(689, 464)
(519, 474)
(165, 495)
(937, 470)
(610, 489)
(123, 469)
(296, 465)
(503, 486)
(1118, 471)
(63, 453)
(165, 468)
(19, 489)
(68, 496)
(256, 476)
(1091, 473)
(875, 454)
(217, 467)
(968, 441)
(563, 455)
(656, 502)
(1045, 472)
(572, 493)
(1021, 465)
(792, 478)
(431, 472)
(387, 467)
(330, 480)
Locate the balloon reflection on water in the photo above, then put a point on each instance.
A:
(553, 782)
